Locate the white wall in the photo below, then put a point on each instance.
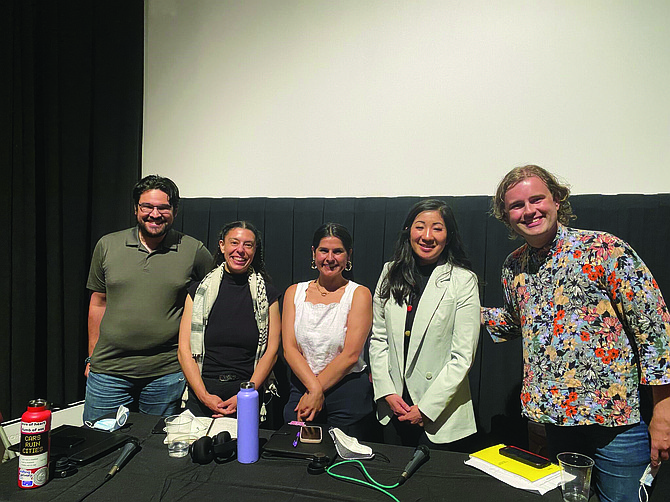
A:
(424, 97)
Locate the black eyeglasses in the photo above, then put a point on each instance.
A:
(149, 208)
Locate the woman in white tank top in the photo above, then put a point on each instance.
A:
(325, 325)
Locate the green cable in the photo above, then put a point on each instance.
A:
(374, 484)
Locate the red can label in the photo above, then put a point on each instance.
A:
(34, 458)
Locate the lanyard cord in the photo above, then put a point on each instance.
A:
(372, 484)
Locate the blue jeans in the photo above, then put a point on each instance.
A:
(153, 396)
(620, 455)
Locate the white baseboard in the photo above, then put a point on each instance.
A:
(72, 415)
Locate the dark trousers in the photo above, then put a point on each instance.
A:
(347, 405)
(406, 434)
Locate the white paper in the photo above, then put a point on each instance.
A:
(224, 424)
(199, 426)
(541, 486)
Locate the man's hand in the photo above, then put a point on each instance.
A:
(96, 311)
(659, 427)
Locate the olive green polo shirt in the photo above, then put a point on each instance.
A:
(145, 299)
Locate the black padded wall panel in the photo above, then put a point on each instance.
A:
(287, 226)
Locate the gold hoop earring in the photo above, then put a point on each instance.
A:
(348, 266)
(313, 265)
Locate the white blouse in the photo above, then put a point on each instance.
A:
(320, 329)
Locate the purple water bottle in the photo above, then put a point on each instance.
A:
(247, 423)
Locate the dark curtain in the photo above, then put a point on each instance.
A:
(70, 140)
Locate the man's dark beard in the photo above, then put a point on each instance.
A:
(149, 235)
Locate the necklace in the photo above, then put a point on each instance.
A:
(326, 292)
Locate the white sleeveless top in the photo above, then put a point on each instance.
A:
(320, 329)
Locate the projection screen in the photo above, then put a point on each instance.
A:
(357, 98)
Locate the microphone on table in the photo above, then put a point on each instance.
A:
(421, 455)
(130, 447)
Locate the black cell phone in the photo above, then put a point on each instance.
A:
(159, 428)
(524, 456)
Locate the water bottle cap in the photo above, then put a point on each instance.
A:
(247, 385)
(37, 403)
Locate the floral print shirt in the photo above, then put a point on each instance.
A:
(582, 308)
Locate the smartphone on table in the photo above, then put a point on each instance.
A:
(310, 434)
(524, 456)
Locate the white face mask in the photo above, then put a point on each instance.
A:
(645, 481)
(111, 424)
(348, 447)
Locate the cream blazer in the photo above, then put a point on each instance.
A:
(442, 347)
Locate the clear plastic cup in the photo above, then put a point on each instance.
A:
(178, 424)
(575, 476)
(178, 447)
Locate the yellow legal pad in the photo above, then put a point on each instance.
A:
(492, 456)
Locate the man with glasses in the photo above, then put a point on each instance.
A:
(138, 281)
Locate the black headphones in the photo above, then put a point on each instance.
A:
(318, 463)
(206, 449)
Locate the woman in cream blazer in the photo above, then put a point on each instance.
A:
(425, 332)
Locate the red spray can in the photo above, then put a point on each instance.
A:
(35, 444)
